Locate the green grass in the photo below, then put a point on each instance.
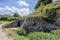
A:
(21, 38)
(5, 23)
(44, 36)
(53, 35)
(41, 11)
(11, 33)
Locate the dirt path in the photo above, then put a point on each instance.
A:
(3, 36)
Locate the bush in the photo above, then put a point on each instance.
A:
(21, 31)
(50, 15)
(11, 19)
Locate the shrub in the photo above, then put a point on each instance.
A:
(50, 15)
(21, 31)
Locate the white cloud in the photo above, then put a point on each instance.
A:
(2, 9)
(22, 11)
(22, 3)
(10, 8)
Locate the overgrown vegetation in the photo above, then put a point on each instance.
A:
(41, 3)
(21, 32)
(50, 15)
(53, 35)
(48, 11)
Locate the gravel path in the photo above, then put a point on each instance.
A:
(3, 36)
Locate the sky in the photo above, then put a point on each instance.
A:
(22, 7)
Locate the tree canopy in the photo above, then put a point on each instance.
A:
(16, 14)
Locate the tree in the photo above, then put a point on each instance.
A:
(16, 14)
(42, 2)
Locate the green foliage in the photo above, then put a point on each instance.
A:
(16, 14)
(56, 32)
(39, 36)
(21, 31)
(50, 16)
(7, 18)
(50, 12)
(38, 4)
(21, 38)
(47, 12)
(44, 36)
(53, 35)
(41, 3)
(11, 19)
(4, 18)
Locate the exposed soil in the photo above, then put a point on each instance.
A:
(3, 36)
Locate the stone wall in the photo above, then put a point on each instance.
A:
(16, 23)
(36, 24)
(57, 23)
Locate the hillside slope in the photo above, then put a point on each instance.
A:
(41, 11)
(46, 17)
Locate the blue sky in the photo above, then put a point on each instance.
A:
(22, 7)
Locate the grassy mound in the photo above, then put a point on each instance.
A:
(47, 12)
(42, 10)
